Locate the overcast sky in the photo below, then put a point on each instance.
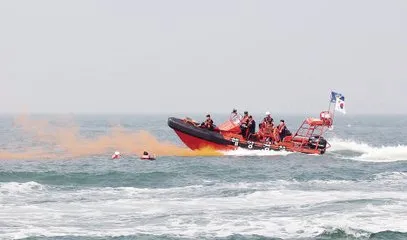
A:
(202, 56)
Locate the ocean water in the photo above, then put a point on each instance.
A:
(57, 181)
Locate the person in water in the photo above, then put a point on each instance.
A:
(208, 123)
(146, 155)
(116, 155)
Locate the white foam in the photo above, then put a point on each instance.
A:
(385, 154)
(391, 176)
(247, 152)
(338, 144)
(15, 187)
(370, 153)
(277, 209)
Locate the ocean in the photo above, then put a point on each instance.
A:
(58, 181)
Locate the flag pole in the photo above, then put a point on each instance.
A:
(333, 111)
(329, 106)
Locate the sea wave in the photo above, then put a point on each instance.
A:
(350, 233)
(367, 152)
(334, 234)
(270, 209)
(331, 234)
(387, 181)
(16, 187)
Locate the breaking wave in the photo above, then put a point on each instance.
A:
(326, 235)
(367, 152)
(269, 209)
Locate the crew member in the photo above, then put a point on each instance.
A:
(282, 130)
(267, 117)
(243, 123)
(208, 123)
(251, 126)
(268, 130)
(265, 132)
(235, 117)
(266, 120)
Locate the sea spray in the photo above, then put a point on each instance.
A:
(369, 153)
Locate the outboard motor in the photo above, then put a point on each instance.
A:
(317, 142)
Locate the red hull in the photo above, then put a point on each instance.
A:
(195, 143)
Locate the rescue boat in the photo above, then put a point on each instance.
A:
(307, 139)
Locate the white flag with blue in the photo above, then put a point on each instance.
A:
(339, 101)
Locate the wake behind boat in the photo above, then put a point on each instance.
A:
(229, 135)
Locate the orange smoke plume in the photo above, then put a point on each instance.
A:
(68, 142)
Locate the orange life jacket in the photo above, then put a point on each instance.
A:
(275, 134)
(268, 128)
(244, 120)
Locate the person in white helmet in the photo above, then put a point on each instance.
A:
(266, 120)
(268, 117)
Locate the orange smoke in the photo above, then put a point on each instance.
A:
(29, 154)
(68, 142)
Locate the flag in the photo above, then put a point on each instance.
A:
(340, 104)
(335, 95)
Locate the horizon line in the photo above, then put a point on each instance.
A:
(178, 112)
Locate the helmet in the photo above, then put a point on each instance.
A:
(267, 113)
(246, 112)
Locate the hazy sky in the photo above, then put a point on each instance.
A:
(202, 56)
